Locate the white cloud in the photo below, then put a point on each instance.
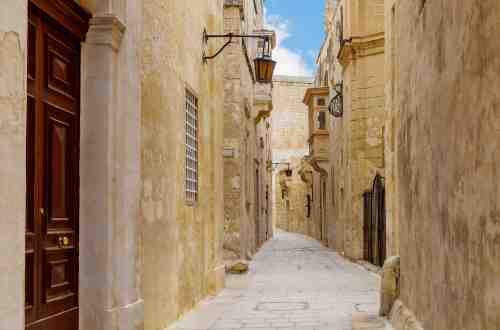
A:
(290, 62)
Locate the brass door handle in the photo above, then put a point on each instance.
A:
(44, 214)
(63, 241)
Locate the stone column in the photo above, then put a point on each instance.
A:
(13, 27)
(110, 179)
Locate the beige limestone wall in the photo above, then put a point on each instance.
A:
(181, 245)
(448, 138)
(13, 26)
(318, 158)
(356, 152)
(264, 155)
(289, 144)
(246, 105)
(289, 117)
(390, 128)
(364, 111)
(291, 200)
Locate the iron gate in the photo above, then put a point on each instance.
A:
(375, 223)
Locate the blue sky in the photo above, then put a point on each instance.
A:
(299, 27)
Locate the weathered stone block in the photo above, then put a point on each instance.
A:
(389, 288)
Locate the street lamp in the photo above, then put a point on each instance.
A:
(336, 106)
(264, 64)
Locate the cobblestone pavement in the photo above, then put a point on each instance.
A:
(294, 283)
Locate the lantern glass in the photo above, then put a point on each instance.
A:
(264, 64)
(264, 69)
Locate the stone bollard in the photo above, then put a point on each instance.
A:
(389, 289)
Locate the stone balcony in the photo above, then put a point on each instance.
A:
(263, 101)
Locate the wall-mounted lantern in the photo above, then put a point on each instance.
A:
(264, 64)
(336, 107)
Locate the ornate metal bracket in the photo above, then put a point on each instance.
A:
(231, 36)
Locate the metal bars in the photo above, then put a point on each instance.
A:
(191, 147)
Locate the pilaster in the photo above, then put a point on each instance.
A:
(109, 181)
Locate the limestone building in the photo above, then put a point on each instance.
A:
(351, 66)
(291, 194)
(111, 140)
(247, 152)
(181, 200)
(318, 158)
(443, 77)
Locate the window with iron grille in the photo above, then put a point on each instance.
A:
(191, 147)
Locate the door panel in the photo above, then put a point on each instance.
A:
(53, 114)
(60, 262)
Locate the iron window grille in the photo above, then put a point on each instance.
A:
(191, 147)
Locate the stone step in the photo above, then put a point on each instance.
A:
(365, 321)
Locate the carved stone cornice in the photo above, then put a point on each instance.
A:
(318, 132)
(314, 91)
(106, 29)
(358, 47)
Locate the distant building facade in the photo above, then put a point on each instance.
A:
(316, 99)
(291, 211)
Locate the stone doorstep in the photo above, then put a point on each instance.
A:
(364, 321)
(369, 267)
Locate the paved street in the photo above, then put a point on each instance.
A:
(293, 283)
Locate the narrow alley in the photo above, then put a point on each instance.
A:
(249, 164)
(293, 283)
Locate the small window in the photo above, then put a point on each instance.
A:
(322, 120)
(191, 147)
(321, 102)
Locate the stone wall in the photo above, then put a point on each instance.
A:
(181, 243)
(390, 128)
(447, 138)
(291, 200)
(289, 144)
(357, 137)
(13, 26)
(246, 134)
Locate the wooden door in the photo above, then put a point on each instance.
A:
(53, 115)
(324, 214)
(257, 208)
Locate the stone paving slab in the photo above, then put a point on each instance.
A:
(294, 283)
